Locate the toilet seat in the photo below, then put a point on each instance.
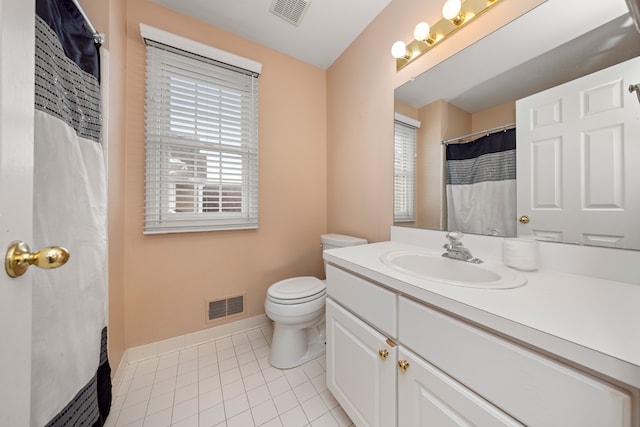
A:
(297, 290)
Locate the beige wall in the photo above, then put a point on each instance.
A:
(406, 110)
(169, 277)
(116, 177)
(109, 18)
(439, 120)
(429, 165)
(360, 106)
(494, 117)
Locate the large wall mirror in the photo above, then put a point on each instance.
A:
(474, 93)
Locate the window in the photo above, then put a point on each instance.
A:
(201, 126)
(404, 168)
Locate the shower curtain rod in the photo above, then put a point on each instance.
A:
(97, 37)
(486, 131)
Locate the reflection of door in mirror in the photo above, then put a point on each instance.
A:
(577, 181)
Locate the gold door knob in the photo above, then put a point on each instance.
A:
(19, 257)
(524, 219)
(403, 365)
(383, 353)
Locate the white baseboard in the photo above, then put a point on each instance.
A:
(118, 375)
(147, 351)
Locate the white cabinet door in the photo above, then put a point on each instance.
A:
(576, 144)
(537, 390)
(361, 380)
(427, 397)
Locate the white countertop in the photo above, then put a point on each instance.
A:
(592, 322)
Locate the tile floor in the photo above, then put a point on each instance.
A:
(226, 382)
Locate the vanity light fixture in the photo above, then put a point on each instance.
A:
(423, 33)
(451, 11)
(399, 50)
(456, 14)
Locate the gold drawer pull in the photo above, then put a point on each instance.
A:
(403, 365)
(383, 353)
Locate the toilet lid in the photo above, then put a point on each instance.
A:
(297, 288)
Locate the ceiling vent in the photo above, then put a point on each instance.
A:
(291, 11)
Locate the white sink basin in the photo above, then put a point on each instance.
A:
(434, 267)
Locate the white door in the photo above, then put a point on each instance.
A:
(16, 201)
(429, 397)
(576, 142)
(361, 369)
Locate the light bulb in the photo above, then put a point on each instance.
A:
(399, 49)
(451, 9)
(421, 31)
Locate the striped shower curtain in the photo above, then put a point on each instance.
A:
(70, 381)
(481, 185)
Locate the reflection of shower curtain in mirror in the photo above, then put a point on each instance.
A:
(481, 185)
(70, 382)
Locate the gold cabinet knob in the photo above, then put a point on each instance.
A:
(524, 219)
(403, 365)
(19, 257)
(383, 353)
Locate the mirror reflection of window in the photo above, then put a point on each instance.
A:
(404, 168)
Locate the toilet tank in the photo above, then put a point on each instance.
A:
(330, 241)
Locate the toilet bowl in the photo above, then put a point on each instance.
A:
(297, 306)
(298, 334)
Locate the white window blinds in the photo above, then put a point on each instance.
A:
(201, 127)
(404, 170)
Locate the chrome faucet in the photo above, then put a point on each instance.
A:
(456, 250)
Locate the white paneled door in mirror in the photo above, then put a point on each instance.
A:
(576, 178)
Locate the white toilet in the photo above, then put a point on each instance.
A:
(296, 307)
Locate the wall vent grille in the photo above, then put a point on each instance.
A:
(291, 11)
(225, 307)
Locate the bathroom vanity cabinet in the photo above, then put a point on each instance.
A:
(396, 360)
(363, 368)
